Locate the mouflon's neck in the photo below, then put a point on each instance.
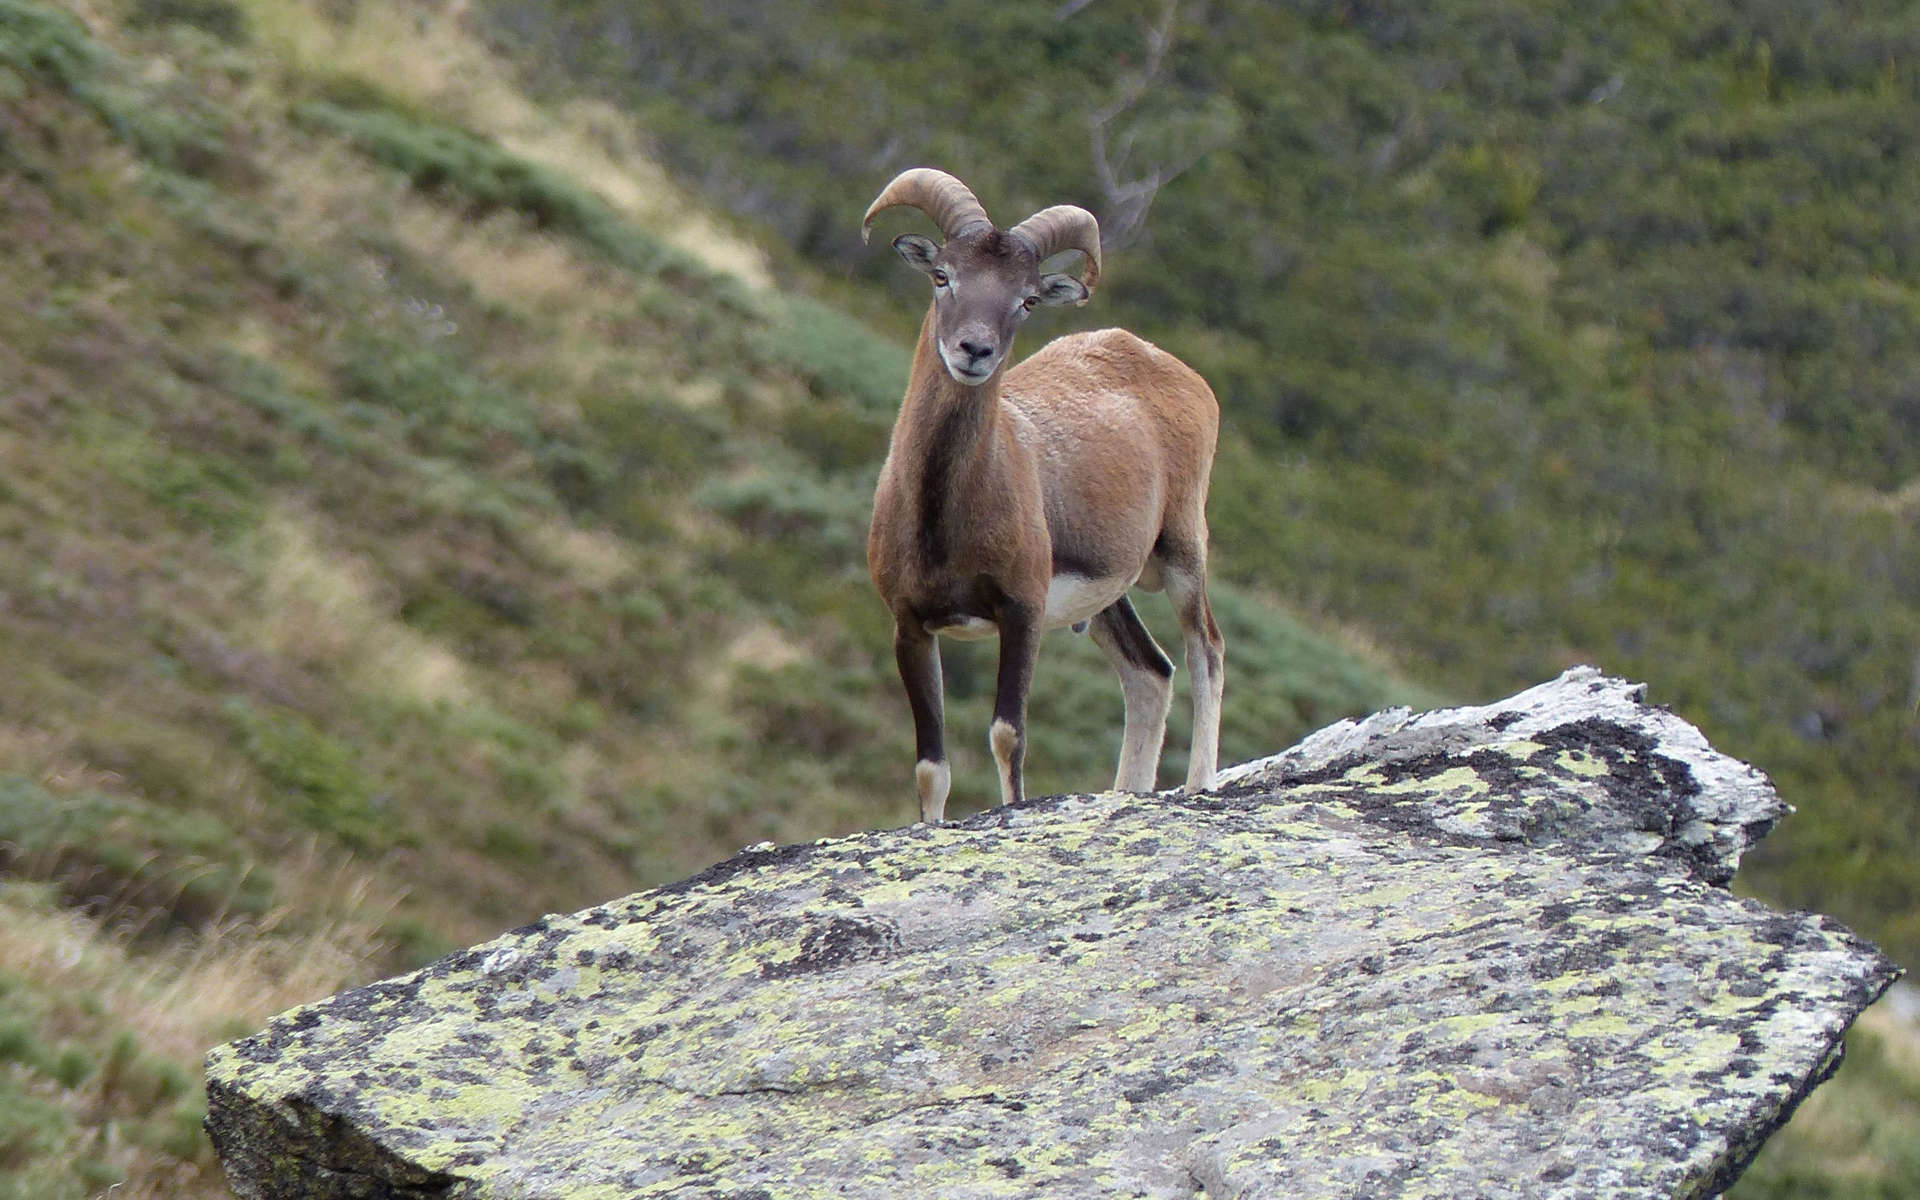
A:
(943, 448)
(940, 417)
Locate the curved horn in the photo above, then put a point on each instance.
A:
(949, 202)
(1064, 227)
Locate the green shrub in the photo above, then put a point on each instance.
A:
(221, 18)
(446, 408)
(207, 494)
(53, 45)
(441, 160)
(821, 518)
(38, 40)
(842, 361)
(183, 1135)
(509, 843)
(80, 1110)
(30, 1128)
(655, 436)
(800, 710)
(415, 943)
(71, 1067)
(262, 386)
(317, 771)
(19, 1042)
(1498, 184)
(124, 853)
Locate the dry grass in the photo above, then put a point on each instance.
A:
(54, 759)
(765, 647)
(1901, 503)
(424, 56)
(597, 145)
(593, 557)
(1523, 267)
(320, 605)
(414, 53)
(540, 280)
(320, 189)
(172, 1005)
(209, 985)
(524, 272)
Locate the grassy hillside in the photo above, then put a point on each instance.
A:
(417, 516)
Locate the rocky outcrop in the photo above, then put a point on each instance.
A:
(1580, 762)
(1479, 952)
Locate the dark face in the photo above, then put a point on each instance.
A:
(984, 286)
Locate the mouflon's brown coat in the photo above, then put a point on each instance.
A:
(1020, 499)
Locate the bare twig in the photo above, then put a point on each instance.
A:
(1129, 199)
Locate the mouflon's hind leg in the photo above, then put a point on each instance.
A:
(917, 654)
(1146, 680)
(1186, 579)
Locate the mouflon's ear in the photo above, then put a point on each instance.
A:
(916, 251)
(1062, 289)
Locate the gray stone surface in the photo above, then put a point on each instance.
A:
(1619, 776)
(1470, 953)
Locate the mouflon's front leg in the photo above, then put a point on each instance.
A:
(917, 654)
(1019, 649)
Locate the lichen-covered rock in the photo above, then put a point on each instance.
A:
(1467, 954)
(1582, 760)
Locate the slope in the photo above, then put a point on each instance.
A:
(417, 517)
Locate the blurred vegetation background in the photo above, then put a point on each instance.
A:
(436, 441)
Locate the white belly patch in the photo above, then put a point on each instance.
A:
(967, 629)
(1072, 599)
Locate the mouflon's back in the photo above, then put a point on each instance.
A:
(1089, 397)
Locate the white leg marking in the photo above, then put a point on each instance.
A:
(933, 779)
(1188, 591)
(1147, 694)
(1004, 739)
(1208, 686)
(1148, 697)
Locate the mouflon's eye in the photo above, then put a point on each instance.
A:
(1031, 302)
(939, 277)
